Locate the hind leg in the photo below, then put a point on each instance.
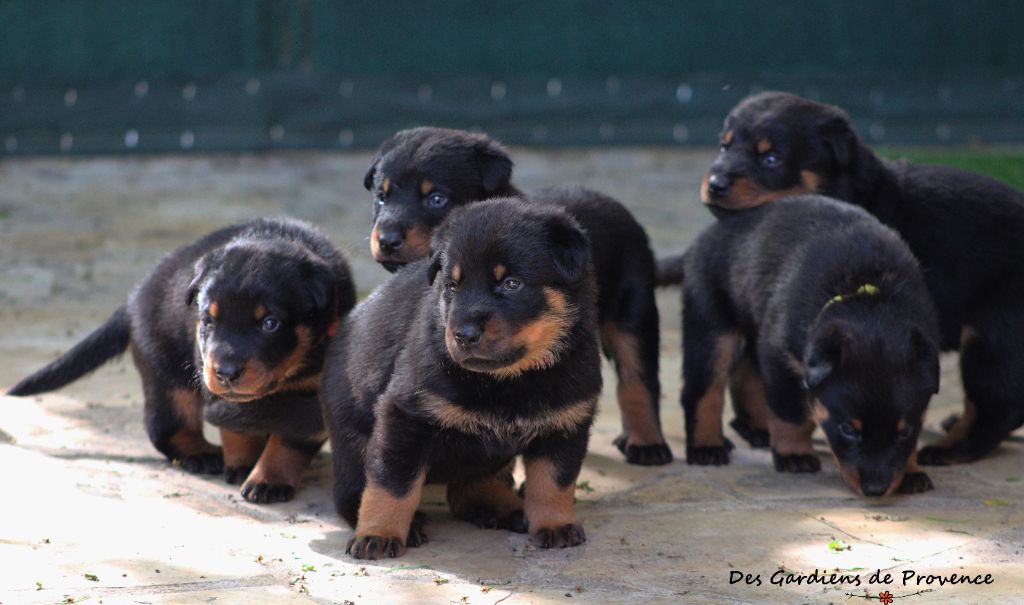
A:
(746, 389)
(633, 346)
(992, 370)
(489, 502)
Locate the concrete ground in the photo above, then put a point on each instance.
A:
(92, 513)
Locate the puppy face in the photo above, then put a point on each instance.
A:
(507, 278)
(869, 390)
(418, 176)
(774, 145)
(262, 314)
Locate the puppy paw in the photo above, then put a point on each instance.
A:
(655, 454)
(486, 516)
(236, 475)
(375, 547)
(210, 463)
(934, 455)
(796, 463)
(570, 534)
(267, 493)
(948, 422)
(755, 437)
(417, 530)
(915, 483)
(709, 456)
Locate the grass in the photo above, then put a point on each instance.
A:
(1004, 165)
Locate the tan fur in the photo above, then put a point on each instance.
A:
(764, 146)
(958, 432)
(382, 514)
(635, 405)
(457, 273)
(187, 404)
(857, 425)
(821, 414)
(727, 138)
(450, 416)
(417, 243)
(426, 187)
(375, 243)
(190, 442)
(547, 505)
(745, 193)
(257, 380)
(746, 383)
(543, 338)
(500, 271)
(259, 312)
(707, 431)
(497, 491)
(280, 464)
(241, 450)
(386, 186)
(213, 310)
(789, 439)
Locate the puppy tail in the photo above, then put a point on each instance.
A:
(669, 271)
(105, 343)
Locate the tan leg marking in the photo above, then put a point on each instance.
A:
(789, 439)
(638, 418)
(241, 450)
(746, 382)
(382, 514)
(496, 491)
(548, 505)
(280, 464)
(707, 431)
(189, 440)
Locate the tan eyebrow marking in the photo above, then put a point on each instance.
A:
(764, 146)
(426, 186)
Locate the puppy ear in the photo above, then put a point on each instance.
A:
(824, 354)
(198, 272)
(926, 354)
(839, 136)
(494, 164)
(433, 267)
(318, 279)
(371, 172)
(570, 247)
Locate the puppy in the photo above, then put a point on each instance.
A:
(963, 228)
(419, 175)
(236, 322)
(832, 307)
(456, 365)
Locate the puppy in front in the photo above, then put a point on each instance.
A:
(420, 175)
(236, 323)
(964, 229)
(839, 328)
(458, 364)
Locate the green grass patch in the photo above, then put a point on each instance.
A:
(1003, 165)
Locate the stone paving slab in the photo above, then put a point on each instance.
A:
(87, 494)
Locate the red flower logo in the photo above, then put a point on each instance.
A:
(885, 598)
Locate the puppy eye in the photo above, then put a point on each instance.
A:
(207, 319)
(436, 200)
(846, 430)
(378, 202)
(511, 285)
(270, 324)
(451, 286)
(770, 159)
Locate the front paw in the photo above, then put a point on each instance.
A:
(417, 530)
(210, 463)
(267, 493)
(236, 475)
(485, 516)
(654, 454)
(795, 463)
(755, 437)
(375, 547)
(934, 455)
(570, 534)
(716, 455)
(915, 483)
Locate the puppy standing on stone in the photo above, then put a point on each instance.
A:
(964, 229)
(451, 381)
(419, 175)
(838, 322)
(236, 322)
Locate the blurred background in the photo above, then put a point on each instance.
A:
(119, 76)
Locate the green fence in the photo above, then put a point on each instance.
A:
(113, 76)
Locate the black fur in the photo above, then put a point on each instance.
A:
(867, 362)
(419, 175)
(396, 358)
(964, 229)
(263, 381)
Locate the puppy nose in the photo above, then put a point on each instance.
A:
(390, 239)
(227, 373)
(874, 488)
(718, 185)
(468, 334)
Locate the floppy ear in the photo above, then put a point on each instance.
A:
(319, 282)
(199, 272)
(433, 267)
(927, 355)
(494, 164)
(824, 354)
(570, 248)
(371, 172)
(840, 136)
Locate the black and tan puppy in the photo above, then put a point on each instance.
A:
(964, 229)
(458, 364)
(419, 175)
(237, 323)
(832, 308)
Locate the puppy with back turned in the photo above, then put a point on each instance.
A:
(456, 365)
(419, 175)
(964, 229)
(832, 310)
(236, 324)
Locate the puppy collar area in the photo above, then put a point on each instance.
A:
(863, 290)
